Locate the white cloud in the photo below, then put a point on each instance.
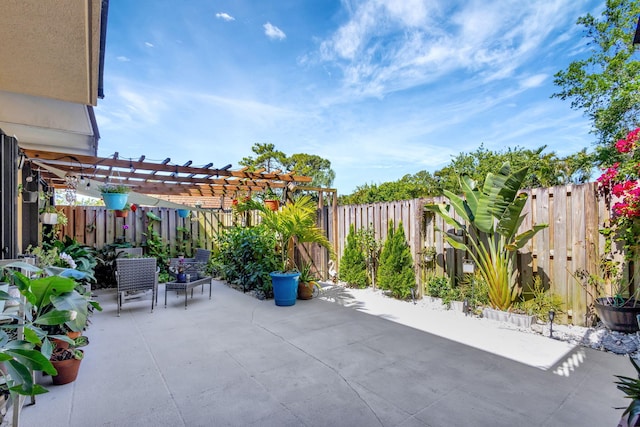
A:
(225, 16)
(273, 32)
(387, 46)
(123, 59)
(533, 81)
(147, 44)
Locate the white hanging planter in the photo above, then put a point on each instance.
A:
(49, 218)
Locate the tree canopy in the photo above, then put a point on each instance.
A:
(545, 169)
(606, 85)
(268, 158)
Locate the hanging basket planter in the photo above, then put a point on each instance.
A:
(272, 204)
(183, 213)
(29, 196)
(49, 218)
(115, 201)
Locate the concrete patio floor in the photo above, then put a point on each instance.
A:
(238, 361)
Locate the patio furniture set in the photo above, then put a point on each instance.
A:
(136, 275)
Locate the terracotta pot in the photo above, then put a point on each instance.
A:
(59, 343)
(67, 370)
(305, 290)
(272, 204)
(63, 344)
(121, 214)
(73, 335)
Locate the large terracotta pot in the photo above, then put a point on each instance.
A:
(67, 370)
(622, 319)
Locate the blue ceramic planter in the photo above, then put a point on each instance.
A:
(285, 288)
(115, 201)
(183, 213)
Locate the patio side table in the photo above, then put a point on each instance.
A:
(185, 286)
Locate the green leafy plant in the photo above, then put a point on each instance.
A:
(438, 286)
(48, 302)
(114, 188)
(631, 389)
(245, 257)
(155, 246)
(491, 217)
(71, 352)
(474, 289)
(371, 247)
(353, 266)
(541, 301)
(294, 222)
(396, 264)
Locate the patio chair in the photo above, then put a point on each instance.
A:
(129, 253)
(135, 275)
(196, 266)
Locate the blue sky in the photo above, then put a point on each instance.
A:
(381, 88)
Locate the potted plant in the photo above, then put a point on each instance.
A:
(67, 360)
(631, 388)
(270, 199)
(183, 213)
(613, 303)
(429, 253)
(27, 195)
(124, 212)
(294, 222)
(114, 195)
(307, 283)
(49, 215)
(616, 307)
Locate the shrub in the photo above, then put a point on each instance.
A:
(370, 247)
(541, 302)
(474, 288)
(246, 256)
(396, 264)
(353, 265)
(438, 286)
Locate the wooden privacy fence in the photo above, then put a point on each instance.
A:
(97, 226)
(572, 241)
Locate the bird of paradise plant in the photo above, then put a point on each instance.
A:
(491, 217)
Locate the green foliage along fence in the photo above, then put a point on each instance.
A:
(97, 226)
(570, 243)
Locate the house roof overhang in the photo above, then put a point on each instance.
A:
(52, 63)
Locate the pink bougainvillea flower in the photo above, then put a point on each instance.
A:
(624, 146)
(609, 175)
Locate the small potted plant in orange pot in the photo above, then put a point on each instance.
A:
(307, 283)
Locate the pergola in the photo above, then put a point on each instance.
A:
(163, 179)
